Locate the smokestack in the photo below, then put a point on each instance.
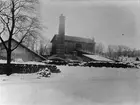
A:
(61, 25)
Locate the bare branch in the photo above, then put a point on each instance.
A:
(1, 37)
(18, 8)
(3, 43)
(22, 39)
(2, 31)
(5, 15)
(4, 7)
(13, 19)
(16, 31)
(18, 43)
(7, 23)
(17, 20)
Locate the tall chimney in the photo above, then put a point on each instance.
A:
(61, 36)
(61, 25)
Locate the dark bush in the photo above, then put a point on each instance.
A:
(28, 68)
(109, 64)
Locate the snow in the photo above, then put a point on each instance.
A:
(97, 57)
(29, 62)
(73, 86)
(2, 61)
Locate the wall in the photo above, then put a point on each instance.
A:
(53, 47)
(71, 46)
(28, 68)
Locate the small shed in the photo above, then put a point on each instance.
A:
(21, 52)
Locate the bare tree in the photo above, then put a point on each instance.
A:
(99, 48)
(30, 42)
(117, 51)
(111, 52)
(17, 18)
(123, 50)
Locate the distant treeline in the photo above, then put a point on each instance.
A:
(116, 51)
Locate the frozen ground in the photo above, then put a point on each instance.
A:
(74, 86)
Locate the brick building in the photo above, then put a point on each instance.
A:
(63, 44)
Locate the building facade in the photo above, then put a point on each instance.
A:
(63, 44)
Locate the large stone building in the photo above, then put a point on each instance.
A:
(63, 44)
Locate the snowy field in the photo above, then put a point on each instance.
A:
(73, 86)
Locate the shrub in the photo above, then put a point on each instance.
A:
(44, 72)
(28, 68)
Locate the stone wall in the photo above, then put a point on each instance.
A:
(28, 68)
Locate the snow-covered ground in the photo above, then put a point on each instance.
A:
(73, 86)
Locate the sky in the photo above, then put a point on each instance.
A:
(103, 20)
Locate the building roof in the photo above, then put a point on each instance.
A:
(98, 58)
(27, 49)
(74, 39)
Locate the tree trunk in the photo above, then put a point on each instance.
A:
(8, 65)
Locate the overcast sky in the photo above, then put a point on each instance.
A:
(105, 20)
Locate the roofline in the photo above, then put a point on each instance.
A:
(80, 42)
(72, 40)
(53, 37)
(26, 48)
(80, 37)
